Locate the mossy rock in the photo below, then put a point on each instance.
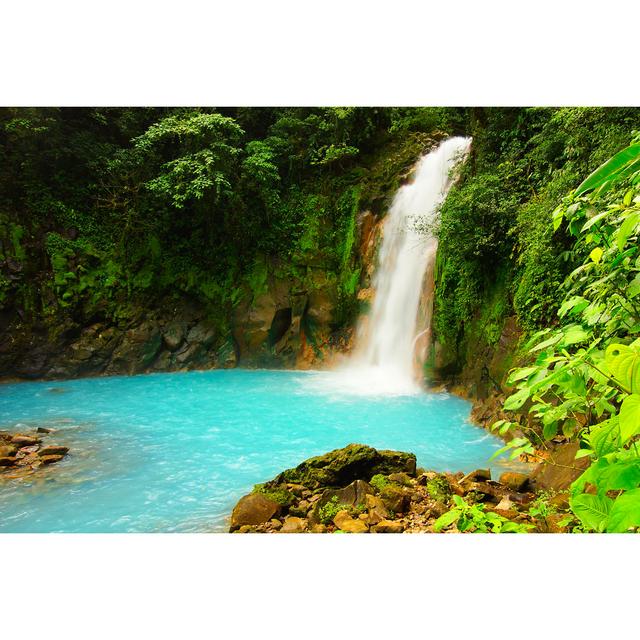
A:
(278, 494)
(340, 467)
(439, 489)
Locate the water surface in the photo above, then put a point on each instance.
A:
(175, 451)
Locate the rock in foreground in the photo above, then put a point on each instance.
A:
(359, 489)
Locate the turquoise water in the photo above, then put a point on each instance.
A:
(175, 451)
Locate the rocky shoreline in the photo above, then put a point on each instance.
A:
(359, 489)
(22, 454)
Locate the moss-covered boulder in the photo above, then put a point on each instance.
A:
(340, 467)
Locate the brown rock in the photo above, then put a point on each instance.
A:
(319, 528)
(478, 475)
(49, 459)
(400, 478)
(25, 441)
(44, 430)
(294, 525)
(246, 528)
(395, 498)
(53, 451)
(487, 490)
(253, 509)
(31, 449)
(521, 498)
(8, 451)
(388, 526)
(7, 461)
(346, 523)
(515, 481)
(419, 508)
(377, 510)
(438, 509)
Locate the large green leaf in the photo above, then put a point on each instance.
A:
(592, 510)
(623, 363)
(627, 228)
(446, 519)
(623, 475)
(605, 438)
(573, 334)
(625, 512)
(520, 374)
(630, 417)
(620, 166)
(515, 401)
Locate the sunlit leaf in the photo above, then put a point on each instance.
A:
(620, 166)
(625, 512)
(623, 363)
(630, 417)
(593, 511)
(596, 255)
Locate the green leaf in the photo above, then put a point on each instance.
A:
(634, 287)
(547, 343)
(620, 166)
(623, 363)
(623, 475)
(605, 438)
(574, 304)
(446, 519)
(520, 374)
(591, 221)
(573, 334)
(596, 255)
(592, 511)
(630, 417)
(515, 401)
(550, 430)
(557, 216)
(625, 512)
(626, 229)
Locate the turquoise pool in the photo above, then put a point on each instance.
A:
(173, 452)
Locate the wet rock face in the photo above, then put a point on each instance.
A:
(150, 343)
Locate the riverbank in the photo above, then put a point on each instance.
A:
(359, 489)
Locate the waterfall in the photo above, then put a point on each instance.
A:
(383, 359)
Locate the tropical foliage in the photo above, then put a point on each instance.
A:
(583, 379)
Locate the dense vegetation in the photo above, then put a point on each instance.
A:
(103, 209)
(511, 261)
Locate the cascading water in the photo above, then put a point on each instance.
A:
(383, 360)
